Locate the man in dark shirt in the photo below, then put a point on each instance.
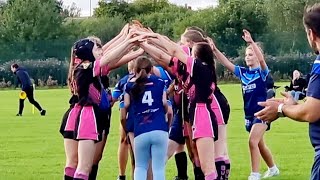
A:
(26, 86)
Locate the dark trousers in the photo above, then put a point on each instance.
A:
(30, 97)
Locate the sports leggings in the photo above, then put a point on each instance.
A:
(151, 145)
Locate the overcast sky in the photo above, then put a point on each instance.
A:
(85, 4)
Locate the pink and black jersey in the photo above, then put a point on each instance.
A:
(201, 81)
(87, 84)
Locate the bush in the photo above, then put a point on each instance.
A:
(39, 70)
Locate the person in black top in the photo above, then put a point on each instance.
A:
(26, 86)
(297, 85)
(270, 87)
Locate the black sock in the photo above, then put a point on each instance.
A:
(182, 164)
(94, 171)
(67, 177)
(78, 179)
(228, 166)
(122, 177)
(198, 174)
(221, 169)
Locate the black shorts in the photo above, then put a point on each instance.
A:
(176, 129)
(224, 105)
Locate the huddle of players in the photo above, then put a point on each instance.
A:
(179, 92)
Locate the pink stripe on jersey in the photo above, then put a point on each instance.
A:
(186, 49)
(94, 94)
(190, 63)
(98, 70)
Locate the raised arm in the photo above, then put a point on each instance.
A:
(113, 41)
(117, 53)
(256, 49)
(126, 58)
(156, 53)
(221, 57)
(170, 47)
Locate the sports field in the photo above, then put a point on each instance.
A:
(31, 147)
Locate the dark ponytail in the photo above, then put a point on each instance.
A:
(143, 67)
(204, 53)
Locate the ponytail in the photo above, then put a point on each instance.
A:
(140, 82)
(143, 67)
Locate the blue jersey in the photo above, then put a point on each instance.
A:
(254, 88)
(164, 75)
(314, 91)
(118, 90)
(148, 107)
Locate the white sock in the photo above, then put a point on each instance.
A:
(274, 168)
(255, 174)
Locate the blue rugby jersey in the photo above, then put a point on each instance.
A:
(118, 90)
(148, 108)
(314, 91)
(254, 88)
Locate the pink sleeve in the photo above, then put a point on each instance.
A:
(190, 63)
(98, 70)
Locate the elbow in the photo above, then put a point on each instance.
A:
(311, 117)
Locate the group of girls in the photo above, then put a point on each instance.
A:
(165, 103)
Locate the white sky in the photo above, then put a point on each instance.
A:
(85, 4)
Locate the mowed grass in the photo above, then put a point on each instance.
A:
(32, 148)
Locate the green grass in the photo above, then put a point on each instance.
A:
(32, 148)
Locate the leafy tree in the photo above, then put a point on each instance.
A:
(25, 20)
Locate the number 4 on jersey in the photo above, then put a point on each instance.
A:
(147, 98)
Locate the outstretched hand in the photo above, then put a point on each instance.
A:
(247, 36)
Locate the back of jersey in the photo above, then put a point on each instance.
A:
(148, 107)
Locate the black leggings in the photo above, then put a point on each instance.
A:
(30, 97)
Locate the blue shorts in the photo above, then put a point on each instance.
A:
(315, 171)
(249, 122)
(176, 130)
(169, 102)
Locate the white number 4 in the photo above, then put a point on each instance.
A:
(147, 98)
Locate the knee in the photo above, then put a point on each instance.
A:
(253, 143)
(32, 101)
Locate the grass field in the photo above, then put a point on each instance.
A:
(31, 147)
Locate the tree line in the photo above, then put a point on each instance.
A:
(43, 29)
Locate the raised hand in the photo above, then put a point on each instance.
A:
(211, 43)
(125, 29)
(247, 36)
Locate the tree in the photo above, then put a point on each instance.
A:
(226, 22)
(163, 21)
(114, 8)
(25, 20)
(285, 25)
